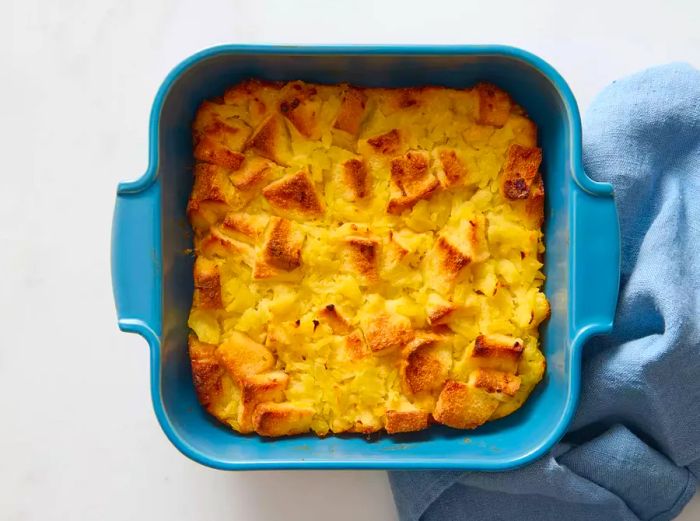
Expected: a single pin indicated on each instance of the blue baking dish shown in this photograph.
(152, 271)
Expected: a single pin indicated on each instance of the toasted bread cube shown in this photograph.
(282, 419)
(411, 181)
(362, 257)
(355, 345)
(207, 284)
(217, 244)
(494, 105)
(386, 331)
(438, 309)
(339, 324)
(253, 175)
(425, 364)
(245, 226)
(300, 105)
(219, 135)
(271, 140)
(449, 168)
(353, 178)
(257, 389)
(294, 194)
(211, 194)
(211, 113)
(351, 112)
(281, 249)
(534, 208)
(531, 371)
(520, 171)
(210, 151)
(406, 421)
(282, 246)
(498, 352)
(444, 262)
(389, 143)
(206, 370)
(494, 381)
(470, 238)
(242, 356)
(464, 407)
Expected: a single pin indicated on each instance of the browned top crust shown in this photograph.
(270, 140)
(498, 346)
(207, 284)
(300, 106)
(363, 256)
(355, 178)
(282, 247)
(388, 331)
(356, 251)
(387, 143)
(412, 180)
(406, 421)
(352, 110)
(451, 170)
(520, 171)
(494, 105)
(294, 194)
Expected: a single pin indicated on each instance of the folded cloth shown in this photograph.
(633, 451)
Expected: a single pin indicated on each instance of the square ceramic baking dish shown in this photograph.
(152, 272)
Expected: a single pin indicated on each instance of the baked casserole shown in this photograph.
(366, 259)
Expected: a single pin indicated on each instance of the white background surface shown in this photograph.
(77, 78)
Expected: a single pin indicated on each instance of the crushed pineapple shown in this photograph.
(368, 259)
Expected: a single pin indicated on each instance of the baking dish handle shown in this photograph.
(136, 268)
(596, 258)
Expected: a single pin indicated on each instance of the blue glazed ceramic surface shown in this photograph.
(152, 273)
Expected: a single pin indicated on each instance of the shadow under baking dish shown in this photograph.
(152, 274)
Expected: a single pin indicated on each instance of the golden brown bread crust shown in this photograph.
(388, 143)
(252, 175)
(422, 369)
(520, 171)
(387, 331)
(281, 419)
(363, 253)
(366, 259)
(355, 345)
(412, 180)
(296, 195)
(217, 244)
(406, 421)
(355, 178)
(207, 284)
(450, 170)
(495, 381)
(257, 389)
(282, 246)
(498, 351)
(438, 309)
(351, 112)
(206, 370)
(245, 226)
(270, 140)
(244, 357)
(462, 406)
(298, 106)
(494, 105)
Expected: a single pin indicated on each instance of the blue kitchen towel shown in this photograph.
(633, 451)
